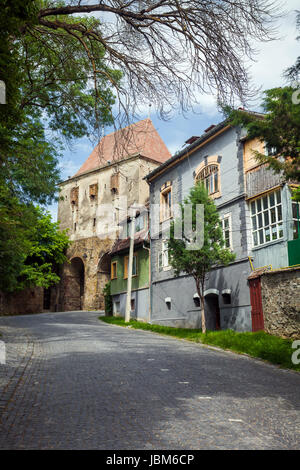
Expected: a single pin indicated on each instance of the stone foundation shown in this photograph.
(281, 302)
(22, 302)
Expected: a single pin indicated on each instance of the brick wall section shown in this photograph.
(23, 302)
(281, 302)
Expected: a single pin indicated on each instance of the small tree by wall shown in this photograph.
(199, 262)
(108, 299)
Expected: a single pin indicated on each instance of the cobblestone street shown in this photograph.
(73, 382)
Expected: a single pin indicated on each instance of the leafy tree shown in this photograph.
(279, 128)
(50, 101)
(33, 250)
(108, 303)
(169, 51)
(293, 72)
(198, 263)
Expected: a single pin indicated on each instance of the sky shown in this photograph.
(271, 60)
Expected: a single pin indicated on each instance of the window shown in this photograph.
(226, 299)
(296, 219)
(93, 191)
(227, 231)
(74, 196)
(132, 304)
(270, 151)
(114, 183)
(163, 256)
(166, 201)
(209, 176)
(116, 307)
(134, 266)
(114, 270)
(266, 218)
(139, 223)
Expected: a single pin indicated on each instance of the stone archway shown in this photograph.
(103, 276)
(74, 285)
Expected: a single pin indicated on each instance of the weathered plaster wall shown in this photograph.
(281, 302)
(94, 219)
(130, 186)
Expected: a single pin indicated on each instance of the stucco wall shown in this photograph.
(183, 311)
(141, 311)
(141, 280)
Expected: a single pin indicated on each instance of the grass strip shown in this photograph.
(259, 345)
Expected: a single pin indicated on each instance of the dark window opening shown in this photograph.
(226, 299)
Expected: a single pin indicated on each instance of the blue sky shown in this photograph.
(271, 60)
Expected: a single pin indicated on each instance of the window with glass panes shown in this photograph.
(266, 217)
(163, 256)
(226, 226)
(296, 219)
(209, 176)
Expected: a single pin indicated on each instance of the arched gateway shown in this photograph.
(74, 285)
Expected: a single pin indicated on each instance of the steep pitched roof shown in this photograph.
(194, 142)
(140, 138)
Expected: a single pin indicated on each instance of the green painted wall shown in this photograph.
(138, 282)
(294, 252)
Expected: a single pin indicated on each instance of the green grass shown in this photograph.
(259, 345)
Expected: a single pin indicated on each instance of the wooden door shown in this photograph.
(256, 305)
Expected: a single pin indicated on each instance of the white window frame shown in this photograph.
(163, 257)
(295, 220)
(210, 177)
(266, 218)
(227, 217)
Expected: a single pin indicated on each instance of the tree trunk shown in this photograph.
(203, 315)
(200, 290)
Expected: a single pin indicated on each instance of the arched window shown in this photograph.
(209, 176)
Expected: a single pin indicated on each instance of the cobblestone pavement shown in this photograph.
(74, 382)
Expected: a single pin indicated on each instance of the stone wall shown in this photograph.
(89, 251)
(23, 302)
(281, 302)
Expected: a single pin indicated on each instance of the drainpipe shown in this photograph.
(150, 284)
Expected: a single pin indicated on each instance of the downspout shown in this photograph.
(150, 283)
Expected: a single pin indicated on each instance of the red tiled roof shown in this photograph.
(138, 138)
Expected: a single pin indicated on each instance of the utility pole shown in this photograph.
(130, 261)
